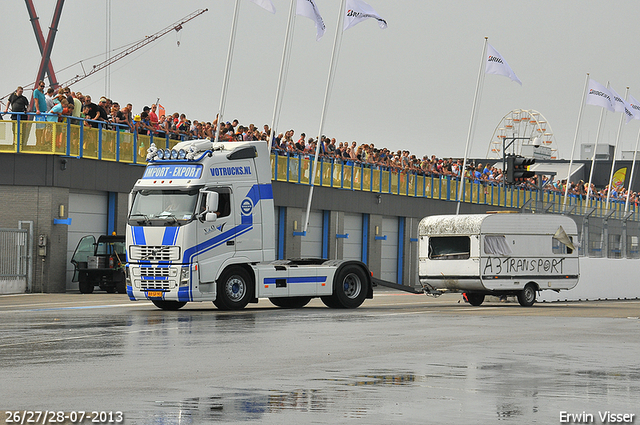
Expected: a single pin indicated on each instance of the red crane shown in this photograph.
(45, 47)
(177, 26)
(45, 64)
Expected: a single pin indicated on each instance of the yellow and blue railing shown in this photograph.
(112, 142)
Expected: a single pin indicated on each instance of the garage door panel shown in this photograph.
(389, 250)
(352, 248)
(88, 214)
(311, 245)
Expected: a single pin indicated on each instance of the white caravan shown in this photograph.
(498, 254)
(201, 228)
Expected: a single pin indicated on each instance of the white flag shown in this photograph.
(635, 107)
(498, 66)
(309, 9)
(266, 4)
(599, 95)
(618, 101)
(358, 11)
(621, 105)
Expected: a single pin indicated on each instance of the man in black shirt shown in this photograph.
(18, 103)
(92, 113)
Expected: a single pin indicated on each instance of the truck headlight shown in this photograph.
(184, 276)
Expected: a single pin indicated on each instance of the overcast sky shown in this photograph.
(410, 86)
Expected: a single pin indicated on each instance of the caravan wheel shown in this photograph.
(527, 297)
(475, 299)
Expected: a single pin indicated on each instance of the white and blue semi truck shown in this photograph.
(201, 227)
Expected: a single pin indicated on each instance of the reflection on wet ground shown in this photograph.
(479, 393)
(244, 405)
(317, 365)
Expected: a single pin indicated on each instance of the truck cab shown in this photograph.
(201, 227)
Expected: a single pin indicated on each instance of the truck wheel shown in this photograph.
(86, 287)
(527, 297)
(110, 289)
(475, 299)
(290, 302)
(235, 289)
(349, 287)
(121, 287)
(169, 305)
(330, 302)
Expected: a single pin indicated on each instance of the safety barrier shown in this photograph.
(363, 177)
(112, 142)
(31, 133)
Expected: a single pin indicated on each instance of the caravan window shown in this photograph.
(449, 248)
(496, 245)
(559, 248)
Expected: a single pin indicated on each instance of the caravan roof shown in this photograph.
(475, 224)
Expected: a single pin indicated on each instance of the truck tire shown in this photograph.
(121, 287)
(527, 297)
(111, 289)
(235, 289)
(349, 288)
(330, 302)
(169, 305)
(290, 302)
(84, 284)
(121, 284)
(475, 299)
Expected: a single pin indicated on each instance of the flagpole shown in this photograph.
(283, 64)
(471, 122)
(593, 158)
(227, 70)
(575, 139)
(633, 167)
(334, 59)
(615, 151)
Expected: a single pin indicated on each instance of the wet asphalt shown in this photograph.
(399, 358)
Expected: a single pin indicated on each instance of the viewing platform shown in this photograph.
(113, 142)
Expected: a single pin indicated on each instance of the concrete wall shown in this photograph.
(34, 187)
(601, 278)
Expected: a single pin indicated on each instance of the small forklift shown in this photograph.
(101, 264)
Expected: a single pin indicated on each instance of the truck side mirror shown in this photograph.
(212, 201)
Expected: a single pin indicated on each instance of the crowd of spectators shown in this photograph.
(66, 104)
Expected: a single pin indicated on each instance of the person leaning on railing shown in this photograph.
(18, 103)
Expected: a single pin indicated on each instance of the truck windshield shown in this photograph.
(163, 207)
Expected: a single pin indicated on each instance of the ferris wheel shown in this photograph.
(522, 127)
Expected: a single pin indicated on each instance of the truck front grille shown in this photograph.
(154, 253)
(155, 272)
(155, 284)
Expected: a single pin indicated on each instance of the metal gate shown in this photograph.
(13, 260)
